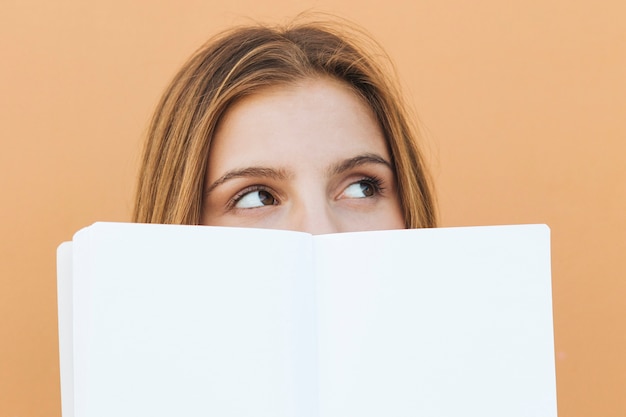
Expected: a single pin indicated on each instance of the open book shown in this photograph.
(189, 321)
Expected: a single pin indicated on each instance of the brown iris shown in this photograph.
(266, 198)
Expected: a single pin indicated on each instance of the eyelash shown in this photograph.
(374, 181)
(241, 194)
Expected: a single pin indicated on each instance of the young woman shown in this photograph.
(292, 128)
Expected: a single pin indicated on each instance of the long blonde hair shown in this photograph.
(240, 62)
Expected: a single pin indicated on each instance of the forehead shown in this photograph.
(312, 95)
(317, 118)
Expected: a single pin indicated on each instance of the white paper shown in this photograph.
(446, 322)
(204, 321)
(194, 322)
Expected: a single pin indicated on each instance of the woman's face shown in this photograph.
(308, 157)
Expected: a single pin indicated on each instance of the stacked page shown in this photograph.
(159, 320)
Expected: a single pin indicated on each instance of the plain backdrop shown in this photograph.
(522, 105)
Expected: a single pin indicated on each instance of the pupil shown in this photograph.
(266, 198)
(367, 189)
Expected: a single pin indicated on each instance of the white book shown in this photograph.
(159, 320)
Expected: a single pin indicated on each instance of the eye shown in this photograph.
(362, 189)
(255, 198)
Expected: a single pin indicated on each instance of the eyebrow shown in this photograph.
(258, 172)
(363, 159)
(281, 174)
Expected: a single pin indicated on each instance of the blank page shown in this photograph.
(436, 322)
(193, 321)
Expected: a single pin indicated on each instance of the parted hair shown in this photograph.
(243, 61)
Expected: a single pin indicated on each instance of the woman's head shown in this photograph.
(252, 67)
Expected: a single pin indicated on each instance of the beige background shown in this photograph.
(523, 104)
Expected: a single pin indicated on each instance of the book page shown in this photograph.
(436, 322)
(65, 318)
(193, 321)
